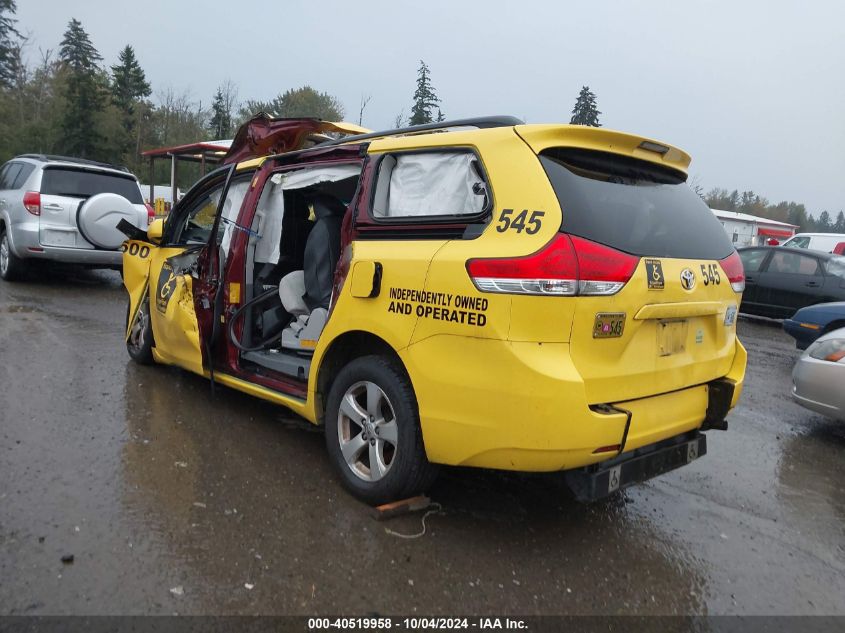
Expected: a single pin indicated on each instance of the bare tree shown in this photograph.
(364, 101)
(695, 184)
(180, 119)
(42, 80)
(399, 121)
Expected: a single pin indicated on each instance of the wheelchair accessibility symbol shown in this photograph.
(165, 288)
(692, 451)
(654, 274)
(614, 478)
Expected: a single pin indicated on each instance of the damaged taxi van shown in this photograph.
(477, 293)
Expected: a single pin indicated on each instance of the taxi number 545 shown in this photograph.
(521, 222)
(710, 274)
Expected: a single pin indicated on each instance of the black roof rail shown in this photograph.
(71, 159)
(479, 122)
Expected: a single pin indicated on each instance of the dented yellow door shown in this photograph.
(172, 313)
(159, 275)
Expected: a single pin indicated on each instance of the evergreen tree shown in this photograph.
(585, 111)
(129, 84)
(83, 92)
(220, 124)
(823, 224)
(9, 46)
(839, 226)
(425, 99)
(128, 89)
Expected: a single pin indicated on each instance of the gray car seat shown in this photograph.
(306, 293)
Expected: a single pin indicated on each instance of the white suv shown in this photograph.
(65, 210)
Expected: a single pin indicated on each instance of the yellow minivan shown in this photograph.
(476, 293)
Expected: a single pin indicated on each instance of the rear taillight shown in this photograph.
(732, 265)
(151, 213)
(566, 266)
(32, 202)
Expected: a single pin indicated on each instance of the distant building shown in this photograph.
(744, 229)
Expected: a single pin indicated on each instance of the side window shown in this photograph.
(9, 174)
(442, 185)
(231, 209)
(26, 170)
(794, 264)
(798, 242)
(194, 220)
(836, 266)
(752, 260)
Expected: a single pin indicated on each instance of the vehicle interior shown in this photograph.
(293, 249)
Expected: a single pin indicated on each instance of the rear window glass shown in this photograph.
(78, 183)
(633, 206)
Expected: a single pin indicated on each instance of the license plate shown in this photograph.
(692, 451)
(58, 238)
(609, 325)
(589, 484)
(671, 337)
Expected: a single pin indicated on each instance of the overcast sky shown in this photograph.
(755, 91)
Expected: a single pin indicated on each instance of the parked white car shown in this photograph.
(824, 242)
(65, 210)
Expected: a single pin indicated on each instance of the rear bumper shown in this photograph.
(522, 406)
(601, 480)
(26, 245)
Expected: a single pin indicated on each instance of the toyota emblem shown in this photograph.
(687, 279)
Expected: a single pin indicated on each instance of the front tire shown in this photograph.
(140, 342)
(11, 266)
(373, 432)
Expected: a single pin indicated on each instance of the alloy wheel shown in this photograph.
(139, 327)
(367, 431)
(4, 254)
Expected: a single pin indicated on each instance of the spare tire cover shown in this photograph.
(98, 217)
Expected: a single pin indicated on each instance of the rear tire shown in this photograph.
(373, 432)
(140, 342)
(11, 266)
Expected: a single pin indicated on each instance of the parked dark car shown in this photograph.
(811, 322)
(779, 280)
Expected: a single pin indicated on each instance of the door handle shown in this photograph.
(747, 278)
(812, 284)
(53, 207)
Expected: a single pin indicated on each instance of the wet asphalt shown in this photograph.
(171, 500)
